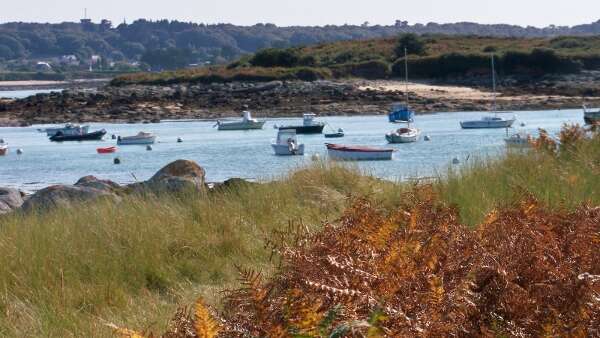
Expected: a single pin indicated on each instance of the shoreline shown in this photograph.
(152, 104)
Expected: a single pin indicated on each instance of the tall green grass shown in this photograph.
(68, 272)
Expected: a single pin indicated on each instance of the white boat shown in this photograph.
(340, 152)
(519, 140)
(401, 113)
(287, 143)
(142, 138)
(591, 116)
(247, 123)
(490, 121)
(404, 135)
(68, 130)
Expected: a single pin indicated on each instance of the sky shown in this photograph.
(537, 13)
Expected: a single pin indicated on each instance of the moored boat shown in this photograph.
(106, 150)
(309, 125)
(490, 121)
(287, 144)
(357, 153)
(591, 116)
(519, 140)
(93, 136)
(247, 123)
(142, 138)
(404, 135)
(3, 149)
(337, 134)
(68, 129)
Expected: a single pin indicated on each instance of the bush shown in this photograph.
(410, 43)
(272, 57)
(373, 69)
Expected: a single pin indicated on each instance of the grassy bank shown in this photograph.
(441, 57)
(68, 272)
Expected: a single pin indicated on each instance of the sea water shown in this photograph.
(248, 154)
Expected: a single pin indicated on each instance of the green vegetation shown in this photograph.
(431, 57)
(69, 272)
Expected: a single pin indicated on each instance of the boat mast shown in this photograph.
(406, 84)
(494, 84)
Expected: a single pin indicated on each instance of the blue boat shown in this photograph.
(401, 113)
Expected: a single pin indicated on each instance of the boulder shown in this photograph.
(93, 182)
(66, 195)
(10, 199)
(178, 176)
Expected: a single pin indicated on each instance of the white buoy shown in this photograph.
(455, 160)
(19, 151)
(427, 138)
(148, 147)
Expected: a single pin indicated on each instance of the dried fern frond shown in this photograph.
(205, 325)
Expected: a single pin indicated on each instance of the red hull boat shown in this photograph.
(107, 150)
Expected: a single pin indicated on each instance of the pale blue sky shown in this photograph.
(309, 12)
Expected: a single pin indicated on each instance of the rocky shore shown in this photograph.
(181, 176)
(146, 104)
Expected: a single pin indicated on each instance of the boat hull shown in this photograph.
(403, 137)
(316, 129)
(94, 136)
(108, 150)
(229, 126)
(343, 153)
(592, 118)
(334, 135)
(284, 150)
(124, 141)
(482, 124)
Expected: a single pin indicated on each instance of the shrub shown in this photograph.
(273, 57)
(411, 43)
(373, 69)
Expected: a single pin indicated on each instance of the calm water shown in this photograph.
(247, 154)
(20, 94)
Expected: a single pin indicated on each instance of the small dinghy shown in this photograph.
(287, 144)
(106, 150)
(403, 135)
(591, 116)
(358, 153)
(93, 136)
(142, 138)
(338, 134)
(3, 149)
(519, 140)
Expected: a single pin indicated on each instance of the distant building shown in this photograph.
(42, 66)
(70, 60)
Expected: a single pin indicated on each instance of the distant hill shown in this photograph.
(198, 43)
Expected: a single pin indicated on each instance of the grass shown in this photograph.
(342, 59)
(68, 272)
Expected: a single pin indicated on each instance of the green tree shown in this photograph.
(412, 43)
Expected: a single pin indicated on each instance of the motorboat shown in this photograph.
(142, 138)
(488, 122)
(287, 143)
(247, 123)
(404, 135)
(494, 121)
(357, 153)
(93, 136)
(309, 125)
(3, 149)
(106, 150)
(337, 134)
(68, 129)
(519, 140)
(591, 116)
